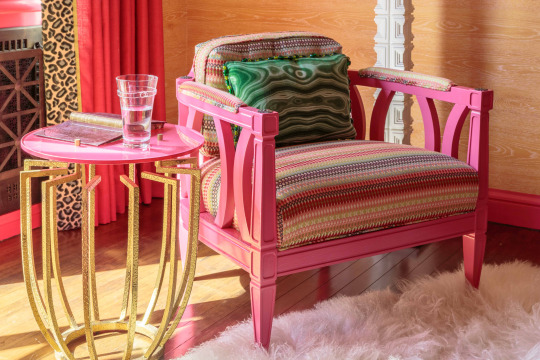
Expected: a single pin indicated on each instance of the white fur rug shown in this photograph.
(438, 317)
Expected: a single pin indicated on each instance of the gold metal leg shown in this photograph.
(179, 303)
(49, 251)
(131, 209)
(55, 257)
(171, 213)
(191, 256)
(177, 295)
(132, 263)
(29, 269)
(90, 305)
(91, 171)
(165, 240)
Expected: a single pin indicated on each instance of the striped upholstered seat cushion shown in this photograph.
(335, 189)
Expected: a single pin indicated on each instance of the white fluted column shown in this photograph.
(393, 45)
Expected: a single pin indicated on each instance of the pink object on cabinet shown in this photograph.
(19, 13)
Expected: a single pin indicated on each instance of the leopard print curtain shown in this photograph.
(61, 92)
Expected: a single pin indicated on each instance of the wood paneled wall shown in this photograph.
(187, 23)
(175, 36)
(491, 44)
(486, 43)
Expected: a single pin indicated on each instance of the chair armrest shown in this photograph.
(250, 159)
(211, 96)
(407, 78)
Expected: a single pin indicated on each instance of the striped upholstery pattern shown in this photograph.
(310, 94)
(407, 78)
(211, 55)
(211, 96)
(335, 189)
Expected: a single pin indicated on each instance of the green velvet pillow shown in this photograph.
(311, 95)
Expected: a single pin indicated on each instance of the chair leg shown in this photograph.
(262, 309)
(473, 256)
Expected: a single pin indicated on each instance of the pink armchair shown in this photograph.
(277, 211)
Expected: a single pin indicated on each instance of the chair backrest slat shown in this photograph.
(358, 112)
(430, 118)
(194, 119)
(378, 116)
(452, 130)
(243, 162)
(225, 214)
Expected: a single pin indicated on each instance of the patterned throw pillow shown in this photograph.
(311, 95)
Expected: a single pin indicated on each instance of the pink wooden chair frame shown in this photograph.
(254, 247)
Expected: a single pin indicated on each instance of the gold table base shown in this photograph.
(178, 291)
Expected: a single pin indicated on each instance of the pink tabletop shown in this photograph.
(177, 141)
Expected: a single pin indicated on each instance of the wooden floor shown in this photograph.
(220, 295)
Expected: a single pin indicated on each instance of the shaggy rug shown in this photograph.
(439, 317)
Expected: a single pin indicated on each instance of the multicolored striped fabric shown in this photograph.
(211, 55)
(311, 95)
(211, 96)
(210, 147)
(335, 189)
(407, 78)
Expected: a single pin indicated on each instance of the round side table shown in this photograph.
(176, 142)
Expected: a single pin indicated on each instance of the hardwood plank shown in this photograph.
(400, 270)
(439, 253)
(355, 282)
(220, 296)
(305, 295)
(240, 308)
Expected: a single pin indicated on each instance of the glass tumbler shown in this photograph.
(126, 83)
(137, 105)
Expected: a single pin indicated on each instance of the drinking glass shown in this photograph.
(126, 83)
(137, 105)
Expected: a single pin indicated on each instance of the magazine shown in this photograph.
(93, 129)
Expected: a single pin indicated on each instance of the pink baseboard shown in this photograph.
(513, 208)
(10, 223)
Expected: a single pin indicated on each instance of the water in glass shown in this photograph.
(136, 108)
(137, 121)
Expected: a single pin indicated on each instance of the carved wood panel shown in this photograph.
(21, 111)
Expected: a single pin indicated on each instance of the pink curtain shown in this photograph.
(117, 37)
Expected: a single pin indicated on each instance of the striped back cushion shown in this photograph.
(211, 55)
(335, 189)
(310, 94)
